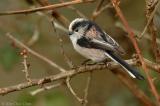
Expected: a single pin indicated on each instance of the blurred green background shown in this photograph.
(105, 90)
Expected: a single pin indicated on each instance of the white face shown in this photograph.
(74, 22)
(75, 29)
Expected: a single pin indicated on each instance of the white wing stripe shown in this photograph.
(132, 75)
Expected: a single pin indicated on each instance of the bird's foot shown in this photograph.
(74, 67)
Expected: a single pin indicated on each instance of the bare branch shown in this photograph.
(152, 65)
(147, 36)
(86, 90)
(72, 91)
(149, 14)
(21, 45)
(55, 14)
(100, 9)
(82, 69)
(34, 37)
(76, 10)
(149, 20)
(134, 42)
(44, 8)
(59, 76)
(26, 71)
(66, 58)
(35, 92)
(140, 95)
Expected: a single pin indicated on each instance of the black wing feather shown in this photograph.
(88, 43)
(126, 65)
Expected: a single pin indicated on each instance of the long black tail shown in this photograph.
(131, 70)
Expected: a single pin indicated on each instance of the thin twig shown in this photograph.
(60, 27)
(147, 36)
(25, 70)
(76, 10)
(82, 69)
(69, 62)
(44, 8)
(41, 57)
(152, 28)
(86, 90)
(134, 41)
(152, 65)
(149, 20)
(99, 10)
(55, 14)
(56, 24)
(99, 5)
(21, 45)
(37, 91)
(140, 95)
(72, 91)
(34, 37)
(67, 59)
(63, 75)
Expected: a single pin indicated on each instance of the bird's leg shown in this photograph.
(104, 62)
(74, 67)
(83, 63)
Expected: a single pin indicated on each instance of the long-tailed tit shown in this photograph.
(91, 42)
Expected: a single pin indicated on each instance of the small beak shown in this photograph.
(70, 33)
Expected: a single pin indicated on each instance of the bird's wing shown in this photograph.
(93, 43)
(111, 41)
(98, 36)
(96, 44)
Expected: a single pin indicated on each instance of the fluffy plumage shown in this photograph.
(91, 42)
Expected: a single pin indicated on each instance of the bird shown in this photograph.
(89, 40)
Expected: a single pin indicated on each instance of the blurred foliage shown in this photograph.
(48, 99)
(56, 98)
(24, 98)
(120, 100)
(9, 57)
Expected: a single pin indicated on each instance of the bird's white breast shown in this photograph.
(93, 54)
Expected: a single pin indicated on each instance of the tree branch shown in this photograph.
(150, 13)
(59, 76)
(70, 73)
(21, 45)
(44, 8)
(35, 92)
(134, 42)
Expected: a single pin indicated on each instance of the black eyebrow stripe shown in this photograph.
(76, 25)
(82, 23)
